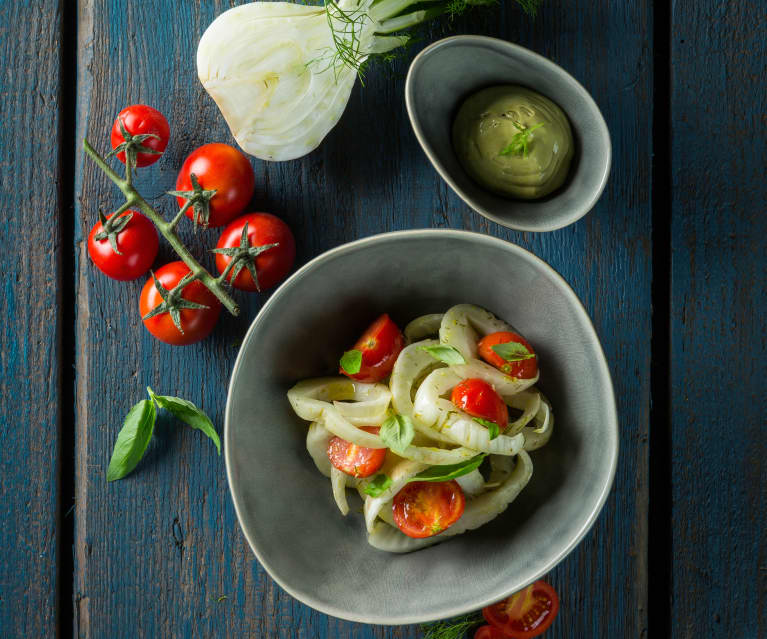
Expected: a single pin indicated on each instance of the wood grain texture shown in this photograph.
(155, 552)
(29, 306)
(719, 238)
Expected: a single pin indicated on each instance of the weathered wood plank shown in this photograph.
(719, 315)
(153, 551)
(30, 56)
(606, 257)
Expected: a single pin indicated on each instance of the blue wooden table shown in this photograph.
(670, 265)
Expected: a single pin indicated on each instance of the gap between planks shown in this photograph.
(659, 506)
(67, 154)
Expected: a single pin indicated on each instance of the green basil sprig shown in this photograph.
(492, 427)
(450, 471)
(138, 426)
(397, 432)
(351, 362)
(445, 353)
(513, 351)
(376, 486)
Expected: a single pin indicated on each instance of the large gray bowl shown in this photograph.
(285, 506)
(450, 70)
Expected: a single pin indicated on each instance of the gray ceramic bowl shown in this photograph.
(285, 506)
(448, 71)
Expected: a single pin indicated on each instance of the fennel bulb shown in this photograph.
(281, 73)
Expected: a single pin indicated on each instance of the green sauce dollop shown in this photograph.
(486, 125)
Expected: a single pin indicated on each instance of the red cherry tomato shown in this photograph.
(137, 242)
(426, 508)
(525, 614)
(354, 460)
(140, 119)
(225, 169)
(524, 369)
(196, 323)
(273, 264)
(479, 399)
(489, 632)
(380, 345)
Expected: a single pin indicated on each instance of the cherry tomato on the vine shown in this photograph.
(273, 264)
(426, 508)
(140, 119)
(523, 369)
(197, 323)
(525, 614)
(357, 461)
(489, 632)
(223, 168)
(380, 345)
(136, 241)
(479, 399)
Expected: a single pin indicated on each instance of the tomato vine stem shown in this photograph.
(167, 229)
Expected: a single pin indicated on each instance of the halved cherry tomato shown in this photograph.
(525, 614)
(354, 460)
(426, 508)
(479, 399)
(140, 119)
(524, 369)
(197, 323)
(137, 242)
(380, 345)
(225, 169)
(489, 632)
(271, 265)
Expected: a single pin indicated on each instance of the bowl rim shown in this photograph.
(308, 598)
(538, 59)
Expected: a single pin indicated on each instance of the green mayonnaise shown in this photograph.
(495, 142)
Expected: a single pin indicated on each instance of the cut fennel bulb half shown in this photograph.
(270, 68)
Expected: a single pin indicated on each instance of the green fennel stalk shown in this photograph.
(388, 18)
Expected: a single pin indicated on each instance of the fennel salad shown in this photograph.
(432, 426)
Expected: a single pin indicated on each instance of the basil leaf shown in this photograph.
(376, 486)
(445, 353)
(351, 362)
(397, 432)
(188, 413)
(450, 471)
(132, 440)
(513, 351)
(491, 426)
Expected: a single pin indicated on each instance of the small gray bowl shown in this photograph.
(450, 70)
(285, 506)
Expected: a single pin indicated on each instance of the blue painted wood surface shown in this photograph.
(719, 320)
(30, 307)
(161, 554)
(153, 553)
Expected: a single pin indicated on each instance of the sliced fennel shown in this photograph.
(317, 439)
(281, 73)
(311, 397)
(539, 434)
(465, 431)
(461, 323)
(338, 483)
(423, 326)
